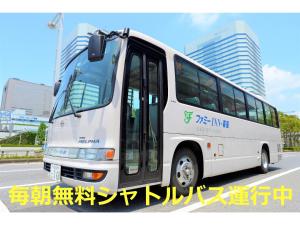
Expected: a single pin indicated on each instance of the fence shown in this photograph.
(10, 152)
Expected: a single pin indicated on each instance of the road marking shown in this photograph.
(227, 194)
(15, 171)
(25, 185)
(3, 208)
(288, 156)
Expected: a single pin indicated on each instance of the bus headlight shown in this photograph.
(96, 154)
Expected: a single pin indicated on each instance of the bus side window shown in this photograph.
(240, 105)
(260, 111)
(227, 98)
(251, 106)
(208, 91)
(187, 83)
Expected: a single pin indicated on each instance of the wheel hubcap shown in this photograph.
(185, 171)
(264, 160)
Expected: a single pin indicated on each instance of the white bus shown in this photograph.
(131, 111)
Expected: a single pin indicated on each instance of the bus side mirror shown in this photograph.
(56, 87)
(96, 47)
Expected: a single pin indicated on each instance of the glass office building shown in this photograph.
(74, 43)
(77, 41)
(84, 95)
(234, 53)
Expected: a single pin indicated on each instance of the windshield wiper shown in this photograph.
(73, 110)
(72, 79)
(54, 108)
(68, 90)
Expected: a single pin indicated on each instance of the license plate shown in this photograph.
(55, 172)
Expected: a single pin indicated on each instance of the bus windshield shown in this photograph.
(87, 85)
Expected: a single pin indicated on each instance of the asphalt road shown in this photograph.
(285, 173)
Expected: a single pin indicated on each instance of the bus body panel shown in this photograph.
(171, 141)
(235, 144)
(97, 128)
(234, 148)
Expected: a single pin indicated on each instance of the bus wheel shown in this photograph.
(184, 172)
(264, 165)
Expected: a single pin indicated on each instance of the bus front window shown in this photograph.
(88, 85)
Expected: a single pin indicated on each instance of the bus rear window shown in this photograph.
(268, 115)
(274, 117)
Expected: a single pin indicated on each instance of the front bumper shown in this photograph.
(110, 181)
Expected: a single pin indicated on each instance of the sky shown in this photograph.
(27, 45)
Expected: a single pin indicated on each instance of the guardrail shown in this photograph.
(6, 152)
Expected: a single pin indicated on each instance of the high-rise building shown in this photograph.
(77, 41)
(74, 43)
(34, 98)
(234, 53)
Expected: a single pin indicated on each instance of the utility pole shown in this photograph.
(57, 24)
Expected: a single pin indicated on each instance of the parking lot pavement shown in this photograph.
(286, 173)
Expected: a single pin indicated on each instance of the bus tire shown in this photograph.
(264, 162)
(184, 173)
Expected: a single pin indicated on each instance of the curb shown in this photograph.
(20, 160)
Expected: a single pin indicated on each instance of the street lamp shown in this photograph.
(57, 23)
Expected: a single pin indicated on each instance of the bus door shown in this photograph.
(141, 117)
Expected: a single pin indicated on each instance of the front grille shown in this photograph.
(71, 172)
(68, 172)
(47, 166)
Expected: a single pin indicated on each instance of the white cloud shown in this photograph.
(202, 20)
(282, 88)
(278, 80)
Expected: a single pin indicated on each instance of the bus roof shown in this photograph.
(167, 48)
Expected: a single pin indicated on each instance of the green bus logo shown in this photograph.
(188, 116)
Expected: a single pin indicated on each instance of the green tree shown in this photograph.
(41, 133)
(290, 129)
(27, 138)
